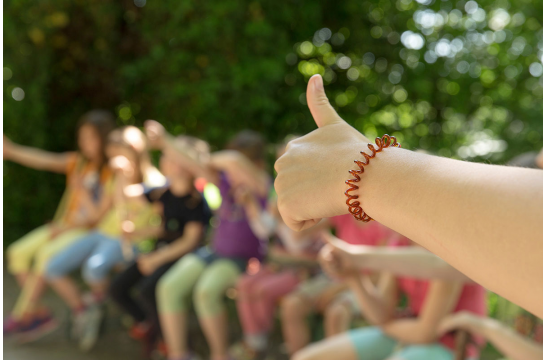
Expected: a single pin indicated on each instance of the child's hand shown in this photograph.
(155, 133)
(312, 172)
(7, 148)
(56, 230)
(336, 261)
(122, 165)
(463, 320)
(147, 264)
(243, 195)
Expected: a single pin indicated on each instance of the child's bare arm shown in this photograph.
(440, 300)
(36, 158)
(511, 344)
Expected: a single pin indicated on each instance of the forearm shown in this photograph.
(175, 250)
(180, 155)
(238, 167)
(263, 225)
(440, 203)
(371, 303)
(508, 342)
(38, 159)
(410, 261)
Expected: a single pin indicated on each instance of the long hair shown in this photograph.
(103, 121)
(131, 138)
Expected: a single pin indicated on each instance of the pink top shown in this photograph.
(472, 299)
(358, 233)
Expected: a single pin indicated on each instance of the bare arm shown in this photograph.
(484, 220)
(36, 158)
(410, 261)
(181, 246)
(240, 170)
(508, 342)
(160, 139)
(261, 221)
(377, 303)
(440, 301)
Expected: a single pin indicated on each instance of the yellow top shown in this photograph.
(140, 213)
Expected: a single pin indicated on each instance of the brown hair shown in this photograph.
(250, 143)
(133, 139)
(103, 121)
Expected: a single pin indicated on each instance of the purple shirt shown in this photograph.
(234, 237)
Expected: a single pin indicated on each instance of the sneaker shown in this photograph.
(11, 326)
(77, 325)
(37, 328)
(140, 331)
(241, 351)
(92, 319)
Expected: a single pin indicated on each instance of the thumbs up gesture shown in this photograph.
(312, 172)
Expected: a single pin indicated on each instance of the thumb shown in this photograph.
(320, 108)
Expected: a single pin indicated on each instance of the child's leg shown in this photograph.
(35, 285)
(339, 313)
(361, 344)
(21, 253)
(121, 292)
(295, 308)
(173, 294)
(146, 293)
(64, 262)
(98, 265)
(246, 302)
(268, 293)
(208, 300)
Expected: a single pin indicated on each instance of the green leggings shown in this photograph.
(210, 283)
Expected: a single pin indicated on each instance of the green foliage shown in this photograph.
(213, 68)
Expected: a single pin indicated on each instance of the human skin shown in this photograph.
(484, 220)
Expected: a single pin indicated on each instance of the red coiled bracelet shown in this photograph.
(353, 205)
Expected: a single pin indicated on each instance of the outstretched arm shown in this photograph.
(239, 169)
(35, 158)
(511, 344)
(484, 220)
(410, 261)
(376, 302)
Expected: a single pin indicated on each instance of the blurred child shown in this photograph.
(413, 338)
(510, 343)
(185, 216)
(208, 273)
(98, 252)
(82, 206)
(325, 295)
(290, 262)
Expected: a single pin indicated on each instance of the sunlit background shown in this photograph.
(460, 79)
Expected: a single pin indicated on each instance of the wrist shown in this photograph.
(366, 162)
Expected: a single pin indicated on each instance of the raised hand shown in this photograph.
(155, 133)
(120, 164)
(312, 172)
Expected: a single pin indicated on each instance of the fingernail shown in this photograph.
(318, 83)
